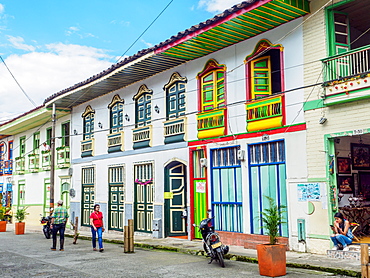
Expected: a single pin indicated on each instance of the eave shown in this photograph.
(234, 25)
(29, 120)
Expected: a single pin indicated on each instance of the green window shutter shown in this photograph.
(261, 77)
(338, 32)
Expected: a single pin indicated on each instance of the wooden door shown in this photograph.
(175, 199)
(144, 197)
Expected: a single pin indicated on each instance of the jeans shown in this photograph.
(342, 239)
(58, 227)
(98, 231)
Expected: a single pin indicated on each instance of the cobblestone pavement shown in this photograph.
(29, 255)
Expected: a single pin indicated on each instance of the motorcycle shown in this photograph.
(45, 221)
(212, 244)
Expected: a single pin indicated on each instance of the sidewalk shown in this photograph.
(238, 253)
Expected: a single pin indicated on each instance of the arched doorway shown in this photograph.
(175, 199)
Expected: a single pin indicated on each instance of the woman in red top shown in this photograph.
(97, 227)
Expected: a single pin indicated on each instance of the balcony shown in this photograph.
(20, 165)
(46, 160)
(346, 76)
(87, 147)
(63, 160)
(265, 113)
(115, 142)
(174, 130)
(33, 162)
(211, 123)
(142, 137)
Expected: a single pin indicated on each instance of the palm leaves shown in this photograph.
(272, 217)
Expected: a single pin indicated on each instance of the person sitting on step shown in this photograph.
(342, 232)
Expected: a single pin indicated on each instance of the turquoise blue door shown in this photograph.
(226, 189)
(267, 174)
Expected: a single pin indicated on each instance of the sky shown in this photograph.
(50, 45)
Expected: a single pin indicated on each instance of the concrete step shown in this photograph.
(353, 254)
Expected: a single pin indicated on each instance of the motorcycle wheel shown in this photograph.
(220, 258)
(205, 247)
(47, 232)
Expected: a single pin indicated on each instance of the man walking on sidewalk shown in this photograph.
(58, 223)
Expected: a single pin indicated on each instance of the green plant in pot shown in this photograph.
(272, 256)
(20, 216)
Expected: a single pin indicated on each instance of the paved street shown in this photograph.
(29, 255)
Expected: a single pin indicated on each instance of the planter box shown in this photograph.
(19, 228)
(2, 226)
(271, 259)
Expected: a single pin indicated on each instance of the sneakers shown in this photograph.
(335, 247)
(346, 248)
(101, 250)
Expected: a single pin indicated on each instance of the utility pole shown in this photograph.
(52, 158)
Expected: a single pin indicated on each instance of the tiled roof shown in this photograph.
(190, 31)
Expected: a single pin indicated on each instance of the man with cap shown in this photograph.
(58, 223)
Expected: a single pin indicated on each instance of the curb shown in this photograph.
(230, 256)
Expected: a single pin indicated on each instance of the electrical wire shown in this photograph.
(146, 29)
(16, 81)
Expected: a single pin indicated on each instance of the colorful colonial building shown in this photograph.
(26, 161)
(211, 119)
(336, 47)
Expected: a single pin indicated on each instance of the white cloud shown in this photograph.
(18, 43)
(73, 30)
(42, 74)
(217, 5)
(120, 22)
(1, 8)
(148, 44)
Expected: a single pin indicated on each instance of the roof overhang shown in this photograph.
(30, 120)
(236, 24)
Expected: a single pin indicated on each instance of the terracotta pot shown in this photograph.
(19, 228)
(271, 259)
(2, 226)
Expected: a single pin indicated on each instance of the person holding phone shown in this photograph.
(342, 232)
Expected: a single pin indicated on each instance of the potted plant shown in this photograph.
(20, 215)
(2, 219)
(272, 256)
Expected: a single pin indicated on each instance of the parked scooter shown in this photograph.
(212, 244)
(45, 221)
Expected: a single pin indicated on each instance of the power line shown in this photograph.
(165, 8)
(19, 85)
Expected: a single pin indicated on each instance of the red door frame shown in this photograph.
(192, 179)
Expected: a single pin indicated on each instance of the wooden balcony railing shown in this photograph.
(46, 160)
(211, 123)
(87, 147)
(142, 137)
(265, 113)
(33, 162)
(63, 160)
(20, 165)
(348, 64)
(174, 130)
(115, 141)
